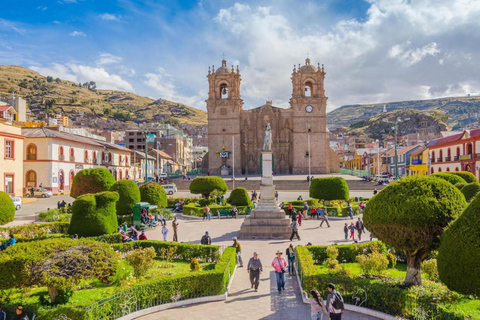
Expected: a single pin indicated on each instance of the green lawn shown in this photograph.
(469, 307)
(399, 271)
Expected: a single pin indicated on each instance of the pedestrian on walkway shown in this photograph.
(206, 239)
(350, 210)
(279, 264)
(290, 208)
(345, 229)
(276, 196)
(291, 259)
(294, 226)
(325, 217)
(164, 232)
(317, 307)
(313, 212)
(175, 229)
(352, 231)
(254, 268)
(206, 211)
(360, 228)
(299, 219)
(305, 210)
(238, 250)
(334, 303)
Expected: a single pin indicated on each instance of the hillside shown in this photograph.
(72, 98)
(461, 111)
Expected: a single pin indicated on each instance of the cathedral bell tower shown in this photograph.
(309, 104)
(224, 105)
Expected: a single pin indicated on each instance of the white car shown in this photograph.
(169, 188)
(17, 202)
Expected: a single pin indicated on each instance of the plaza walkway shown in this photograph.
(243, 302)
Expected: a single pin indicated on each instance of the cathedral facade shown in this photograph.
(299, 133)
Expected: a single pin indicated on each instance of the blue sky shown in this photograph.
(373, 51)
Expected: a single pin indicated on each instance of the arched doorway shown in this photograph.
(71, 176)
(121, 175)
(32, 152)
(31, 179)
(61, 180)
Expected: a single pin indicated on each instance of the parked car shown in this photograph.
(17, 202)
(169, 188)
(40, 192)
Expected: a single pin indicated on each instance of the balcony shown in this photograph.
(416, 161)
(477, 155)
(31, 157)
(61, 158)
(466, 157)
(448, 159)
(432, 160)
(86, 160)
(455, 158)
(72, 159)
(439, 160)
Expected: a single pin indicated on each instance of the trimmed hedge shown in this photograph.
(471, 190)
(460, 185)
(206, 185)
(91, 181)
(458, 258)
(172, 201)
(332, 188)
(94, 214)
(311, 202)
(239, 197)
(452, 178)
(332, 211)
(33, 231)
(129, 194)
(192, 210)
(466, 175)
(153, 193)
(7, 208)
(347, 252)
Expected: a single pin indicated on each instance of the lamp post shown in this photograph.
(233, 161)
(309, 171)
(158, 162)
(378, 156)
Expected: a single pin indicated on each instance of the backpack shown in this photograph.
(338, 301)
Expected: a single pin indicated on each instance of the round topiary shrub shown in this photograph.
(206, 185)
(153, 193)
(91, 181)
(466, 175)
(94, 214)
(460, 185)
(410, 215)
(471, 190)
(459, 253)
(7, 208)
(239, 197)
(129, 194)
(453, 179)
(333, 188)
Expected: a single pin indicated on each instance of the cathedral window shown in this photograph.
(308, 89)
(223, 91)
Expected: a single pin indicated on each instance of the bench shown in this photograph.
(224, 213)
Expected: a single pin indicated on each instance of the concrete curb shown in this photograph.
(28, 200)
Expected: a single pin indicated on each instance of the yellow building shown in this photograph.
(418, 165)
(11, 158)
(353, 161)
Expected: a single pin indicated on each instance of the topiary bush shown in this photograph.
(94, 214)
(141, 260)
(7, 208)
(429, 267)
(459, 252)
(373, 263)
(411, 215)
(194, 265)
(332, 253)
(129, 194)
(333, 188)
(460, 185)
(471, 190)
(239, 197)
(91, 181)
(453, 179)
(153, 193)
(206, 185)
(466, 175)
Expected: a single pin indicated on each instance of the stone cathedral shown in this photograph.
(240, 133)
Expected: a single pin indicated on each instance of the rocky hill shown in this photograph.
(44, 93)
(461, 111)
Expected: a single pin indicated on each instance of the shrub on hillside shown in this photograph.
(94, 214)
(466, 175)
(453, 179)
(239, 197)
(208, 185)
(128, 193)
(153, 193)
(91, 181)
(471, 190)
(459, 252)
(7, 208)
(410, 215)
(333, 188)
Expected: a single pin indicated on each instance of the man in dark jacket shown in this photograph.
(206, 239)
(359, 226)
(20, 314)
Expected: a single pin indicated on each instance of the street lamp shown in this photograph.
(309, 155)
(378, 156)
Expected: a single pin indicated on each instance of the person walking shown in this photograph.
(279, 264)
(334, 303)
(360, 228)
(352, 231)
(305, 210)
(175, 229)
(294, 226)
(291, 259)
(206, 211)
(299, 219)
(325, 218)
(290, 207)
(238, 250)
(350, 210)
(164, 232)
(254, 269)
(345, 229)
(317, 307)
(206, 239)
(276, 196)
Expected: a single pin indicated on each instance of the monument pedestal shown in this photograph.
(267, 221)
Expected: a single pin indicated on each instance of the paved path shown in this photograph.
(243, 302)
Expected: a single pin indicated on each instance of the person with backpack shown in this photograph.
(316, 304)
(206, 239)
(360, 228)
(334, 303)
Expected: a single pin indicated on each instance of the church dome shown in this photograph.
(224, 69)
(307, 68)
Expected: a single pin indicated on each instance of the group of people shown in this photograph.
(132, 234)
(357, 226)
(63, 205)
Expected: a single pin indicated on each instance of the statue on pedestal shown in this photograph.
(267, 144)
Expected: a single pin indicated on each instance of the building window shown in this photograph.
(130, 140)
(31, 179)
(85, 156)
(9, 149)
(61, 155)
(32, 152)
(9, 182)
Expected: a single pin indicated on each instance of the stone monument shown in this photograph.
(267, 221)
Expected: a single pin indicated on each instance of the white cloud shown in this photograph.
(41, 8)
(12, 26)
(410, 57)
(107, 58)
(109, 17)
(126, 70)
(77, 34)
(82, 73)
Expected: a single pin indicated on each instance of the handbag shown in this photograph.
(284, 270)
